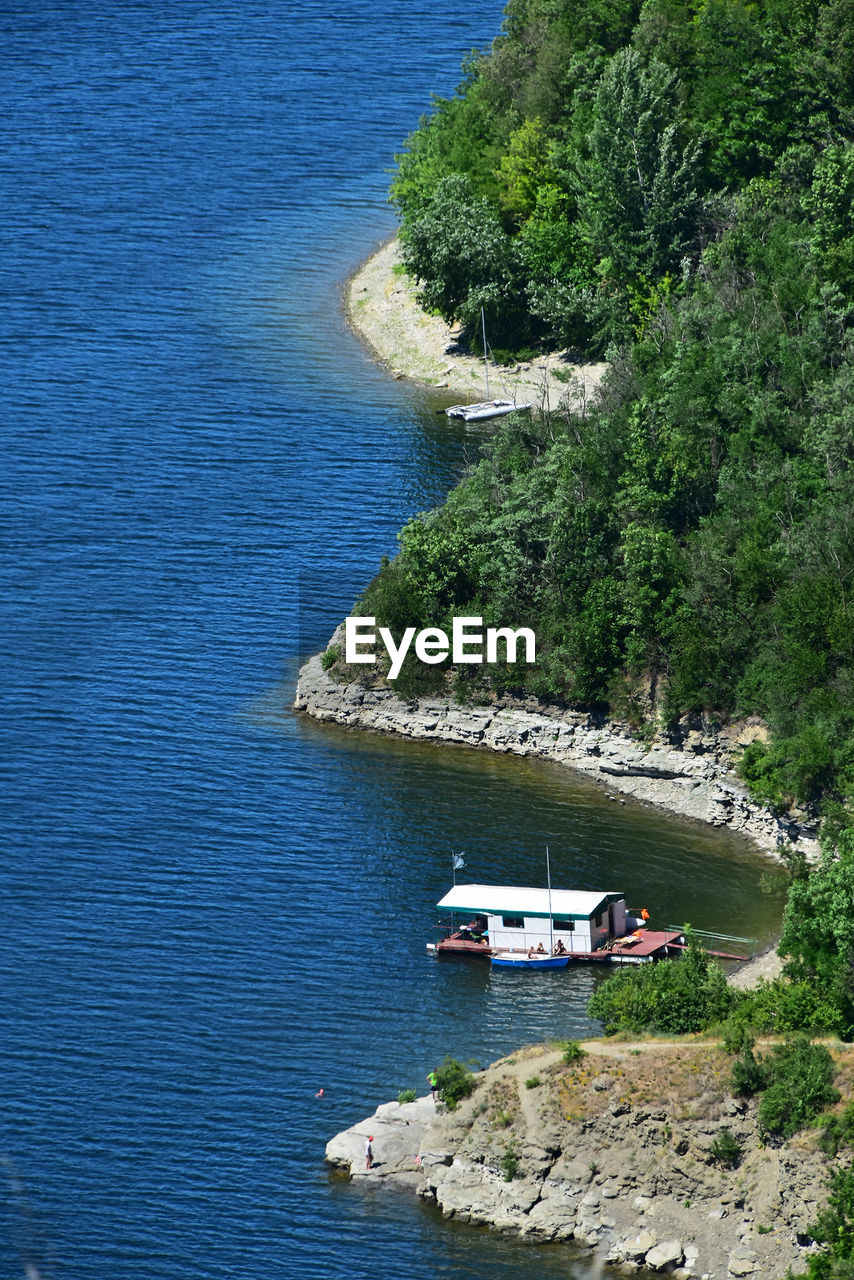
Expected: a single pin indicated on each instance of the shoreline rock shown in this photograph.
(613, 1153)
(695, 779)
(398, 1130)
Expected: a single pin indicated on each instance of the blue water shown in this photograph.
(209, 907)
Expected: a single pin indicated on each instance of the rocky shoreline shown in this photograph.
(693, 776)
(614, 1152)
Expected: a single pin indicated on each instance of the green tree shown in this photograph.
(834, 1228)
(830, 202)
(818, 928)
(525, 169)
(637, 202)
(465, 260)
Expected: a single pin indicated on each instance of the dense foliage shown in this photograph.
(818, 932)
(794, 1083)
(586, 161)
(453, 1082)
(677, 998)
(675, 179)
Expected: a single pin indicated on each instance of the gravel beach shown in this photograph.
(382, 307)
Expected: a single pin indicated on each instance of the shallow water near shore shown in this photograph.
(210, 907)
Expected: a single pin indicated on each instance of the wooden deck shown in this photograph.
(653, 944)
(455, 946)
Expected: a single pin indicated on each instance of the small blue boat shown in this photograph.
(512, 960)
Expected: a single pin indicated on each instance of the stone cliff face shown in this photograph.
(694, 777)
(617, 1152)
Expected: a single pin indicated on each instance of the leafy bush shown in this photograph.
(572, 1051)
(330, 657)
(800, 1086)
(510, 1163)
(794, 1082)
(406, 1095)
(726, 1148)
(838, 1131)
(834, 1228)
(784, 1006)
(453, 1083)
(533, 1082)
(675, 997)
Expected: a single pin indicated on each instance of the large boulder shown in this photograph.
(397, 1130)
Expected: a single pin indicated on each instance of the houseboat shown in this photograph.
(505, 920)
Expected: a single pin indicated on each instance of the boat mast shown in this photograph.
(551, 926)
(485, 358)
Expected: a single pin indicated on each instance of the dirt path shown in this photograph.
(382, 307)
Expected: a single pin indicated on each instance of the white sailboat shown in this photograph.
(483, 409)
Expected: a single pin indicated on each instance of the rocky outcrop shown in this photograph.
(618, 1152)
(397, 1130)
(694, 777)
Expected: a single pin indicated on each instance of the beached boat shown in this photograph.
(483, 409)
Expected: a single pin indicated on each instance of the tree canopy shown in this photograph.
(608, 141)
(674, 183)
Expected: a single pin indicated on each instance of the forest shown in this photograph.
(669, 186)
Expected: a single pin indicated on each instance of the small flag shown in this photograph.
(459, 861)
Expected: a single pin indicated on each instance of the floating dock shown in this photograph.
(652, 945)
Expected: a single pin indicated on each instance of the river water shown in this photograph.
(211, 908)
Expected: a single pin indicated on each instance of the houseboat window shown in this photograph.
(598, 921)
(563, 926)
(513, 922)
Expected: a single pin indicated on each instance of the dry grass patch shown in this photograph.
(689, 1081)
(502, 1102)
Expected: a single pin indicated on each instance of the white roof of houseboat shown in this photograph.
(498, 900)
